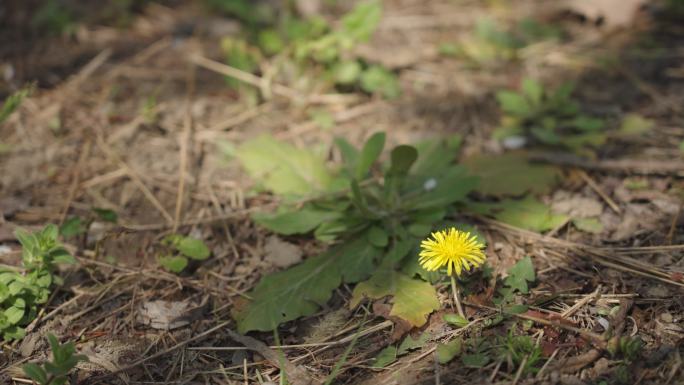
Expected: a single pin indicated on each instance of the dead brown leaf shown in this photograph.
(280, 253)
(613, 13)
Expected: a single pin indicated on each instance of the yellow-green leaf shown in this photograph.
(413, 299)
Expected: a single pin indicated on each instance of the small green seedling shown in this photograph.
(55, 372)
(13, 102)
(22, 290)
(182, 248)
(517, 281)
(546, 117)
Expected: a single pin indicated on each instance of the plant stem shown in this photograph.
(457, 301)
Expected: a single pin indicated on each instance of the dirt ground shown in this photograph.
(85, 139)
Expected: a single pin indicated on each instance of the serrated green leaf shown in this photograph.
(413, 299)
(447, 352)
(511, 174)
(513, 103)
(174, 264)
(455, 319)
(377, 236)
(589, 225)
(35, 372)
(193, 248)
(283, 168)
(520, 274)
(302, 289)
(385, 357)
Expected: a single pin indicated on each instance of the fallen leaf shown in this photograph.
(576, 206)
(413, 299)
(280, 253)
(613, 13)
(168, 315)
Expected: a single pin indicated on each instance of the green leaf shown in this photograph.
(300, 221)
(347, 72)
(455, 319)
(72, 227)
(526, 213)
(385, 357)
(377, 236)
(62, 256)
(533, 90)
(511, 174)
(377, 79)
(193, 248)
(369, 154)
(447, 352)
(399, 250)
(14, 313)
(477, 360)
(349, 153)
(13, 333)
(35, 372)
(174, 264)
(634, 124)
(587, 123)
(520, 274)
(50, 232)
(4, 293)
(419, 229)
(302, 289)
(360, 23)
(513, 103)
(106, 215)
(589, 225)
(13, 102)
(409, 343)
(413, 300)
(402, 158)
(283, 168)
(450, 188)
(436, 156)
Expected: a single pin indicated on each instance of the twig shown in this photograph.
(599, 191)
(185, 138)
(163, 352)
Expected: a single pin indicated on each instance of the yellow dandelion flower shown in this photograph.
(458, 250)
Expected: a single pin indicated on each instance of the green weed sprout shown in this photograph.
(55, 372)
(547, 117)
(22, 292)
